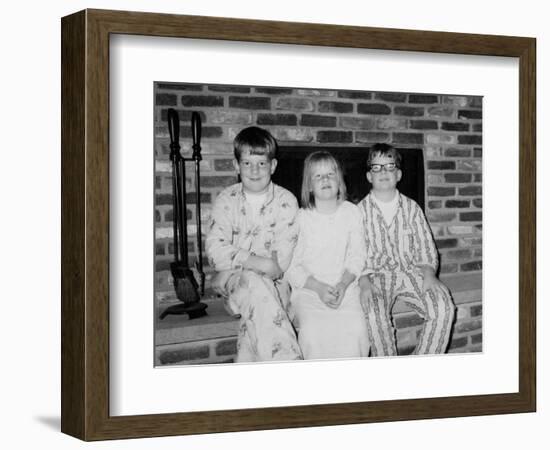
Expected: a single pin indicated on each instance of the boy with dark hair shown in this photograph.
(249, 243)
(402, 261)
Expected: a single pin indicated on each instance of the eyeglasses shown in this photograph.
(389, 167)
(322, 176)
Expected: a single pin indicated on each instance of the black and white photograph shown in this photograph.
(296, 223)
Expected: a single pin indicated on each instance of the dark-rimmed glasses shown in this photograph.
(389, 167)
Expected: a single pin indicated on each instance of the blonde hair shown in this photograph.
(312, 160)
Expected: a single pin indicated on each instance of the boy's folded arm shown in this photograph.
(263, 265)
(427, 260)
(223, 255)
(426, 251)
(286, 231)
(296, 274)
(368, 263)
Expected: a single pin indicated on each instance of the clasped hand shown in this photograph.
(331, 296)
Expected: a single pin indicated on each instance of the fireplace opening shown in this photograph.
(353, 160)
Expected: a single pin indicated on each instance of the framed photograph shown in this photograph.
(157, 113)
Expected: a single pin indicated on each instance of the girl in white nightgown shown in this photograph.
(328, 259)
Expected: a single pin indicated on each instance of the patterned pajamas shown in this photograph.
(396, 254)
(265, 331)
(434, 306)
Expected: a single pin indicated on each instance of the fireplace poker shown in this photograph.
(196, 132)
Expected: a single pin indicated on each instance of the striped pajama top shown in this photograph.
(405, 244)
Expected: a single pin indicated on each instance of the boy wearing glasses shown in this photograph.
(250, 241)
(402, 261)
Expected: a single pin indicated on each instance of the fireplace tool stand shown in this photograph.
(185, 284)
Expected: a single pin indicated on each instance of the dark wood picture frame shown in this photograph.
(85, 224)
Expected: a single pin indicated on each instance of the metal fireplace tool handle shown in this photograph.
(196, 132)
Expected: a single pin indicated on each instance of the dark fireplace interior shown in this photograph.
(353, 161)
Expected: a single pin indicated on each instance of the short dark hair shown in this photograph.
(257, 141)
(388, 150)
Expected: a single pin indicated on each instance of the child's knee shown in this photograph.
(445, 299)
(443, 302)
(243, 281)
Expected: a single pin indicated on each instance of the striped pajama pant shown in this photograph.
(435, 306)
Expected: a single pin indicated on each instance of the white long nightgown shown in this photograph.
(328, 244)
